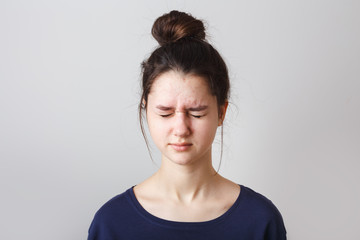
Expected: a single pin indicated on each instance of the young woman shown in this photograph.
(185, 89)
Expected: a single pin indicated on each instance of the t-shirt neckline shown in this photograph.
(169, 223)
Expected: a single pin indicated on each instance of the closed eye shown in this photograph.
(169, 114)
(165, 115)
(197, 116)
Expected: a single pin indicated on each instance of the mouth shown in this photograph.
(180, 147)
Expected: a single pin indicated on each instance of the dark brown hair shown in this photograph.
(183, 48)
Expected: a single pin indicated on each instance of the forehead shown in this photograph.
(174, 86)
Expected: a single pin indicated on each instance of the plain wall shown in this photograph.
(69, 89)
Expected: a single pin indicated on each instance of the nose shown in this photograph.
(181, 125)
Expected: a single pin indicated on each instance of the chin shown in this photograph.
(184, 162)
(182, 159)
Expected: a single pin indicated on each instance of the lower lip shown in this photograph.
(180, 148)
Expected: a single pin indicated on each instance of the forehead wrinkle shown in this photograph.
(173, 90)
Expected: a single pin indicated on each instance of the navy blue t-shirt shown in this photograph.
(252, 217)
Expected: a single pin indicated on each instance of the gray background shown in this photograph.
(69, 89)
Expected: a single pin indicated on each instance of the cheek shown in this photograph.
(158, 129)
(154, 128)
(206, 131)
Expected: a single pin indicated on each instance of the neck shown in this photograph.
(188, 182)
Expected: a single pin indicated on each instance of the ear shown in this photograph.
(222, 113)
(143, 103)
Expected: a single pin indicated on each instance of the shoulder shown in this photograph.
(112, 215)
(257, 203)
(261, 213)
(115, 204)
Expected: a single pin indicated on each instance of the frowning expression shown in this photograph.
(183, 117)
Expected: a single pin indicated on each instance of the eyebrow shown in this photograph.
(164, 108)
(192, 109)
(198, 108)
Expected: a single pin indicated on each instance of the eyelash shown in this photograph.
(195, 116)
(166, 115)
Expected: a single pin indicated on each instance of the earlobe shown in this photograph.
(143, 104)
(222, 113)
(220, 122)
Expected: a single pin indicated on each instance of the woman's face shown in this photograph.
(183, 117)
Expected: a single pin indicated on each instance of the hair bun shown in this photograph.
(176, 25)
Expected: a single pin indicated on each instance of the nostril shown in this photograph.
(182, 130)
